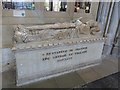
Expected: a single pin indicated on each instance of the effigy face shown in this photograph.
(58, 31)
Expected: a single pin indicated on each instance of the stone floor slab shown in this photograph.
(105, 69)
(50, 83)
(69, 80)
(88, 75)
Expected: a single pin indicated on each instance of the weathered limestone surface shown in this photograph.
(57, 31)
(45, 51)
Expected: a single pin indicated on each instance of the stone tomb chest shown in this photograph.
(45, 51)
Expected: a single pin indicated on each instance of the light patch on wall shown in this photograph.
(19, 13)
(22, 0)
(56, 5)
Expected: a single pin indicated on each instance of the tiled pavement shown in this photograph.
(74, 79)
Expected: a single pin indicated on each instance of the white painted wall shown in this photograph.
(0, 43)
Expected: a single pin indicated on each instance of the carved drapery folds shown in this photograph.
(57, 31)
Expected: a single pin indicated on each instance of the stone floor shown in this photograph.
(110, 81)
(81, 78)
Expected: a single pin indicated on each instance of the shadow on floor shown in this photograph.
(111, 81)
